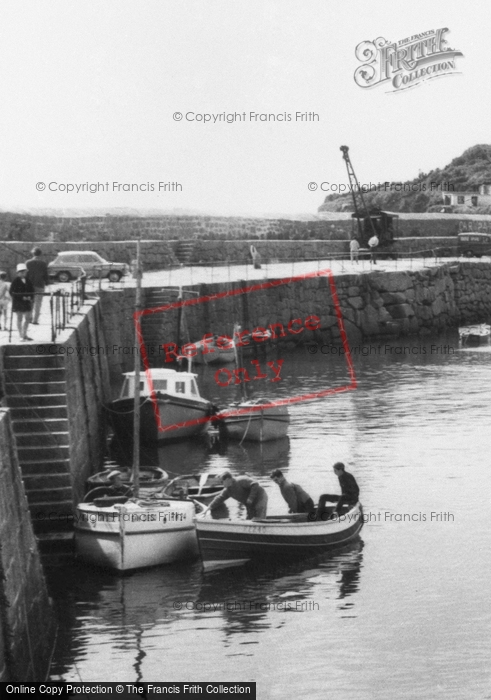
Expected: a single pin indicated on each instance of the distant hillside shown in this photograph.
(465, 173)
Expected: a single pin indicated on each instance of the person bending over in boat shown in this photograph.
(246, 491)
(349, 492)
(297, 499)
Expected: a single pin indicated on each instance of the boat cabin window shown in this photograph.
(194, 388)
(180, 387)
(160, 384)
(125, 389)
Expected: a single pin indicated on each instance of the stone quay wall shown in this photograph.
(117, 308)
(158, 254)
(112, 227)
(209, 252)
(373, 305)
(27, 622)
(87, 389)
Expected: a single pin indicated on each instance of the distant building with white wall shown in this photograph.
(469, 199)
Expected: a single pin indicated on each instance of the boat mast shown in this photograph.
(136, 389)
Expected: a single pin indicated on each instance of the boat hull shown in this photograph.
(152, 479)
(259, 426)
(225, 543)
(136, 534)
(215, 356)
(179, 418)
(195, 486)
(475, 335)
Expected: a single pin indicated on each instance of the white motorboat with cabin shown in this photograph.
(170, 405)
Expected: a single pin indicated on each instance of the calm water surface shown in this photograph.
(403, 612)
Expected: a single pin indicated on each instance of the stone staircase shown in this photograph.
(36, 395)
(184, 251)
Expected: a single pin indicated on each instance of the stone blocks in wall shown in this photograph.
(27, 623)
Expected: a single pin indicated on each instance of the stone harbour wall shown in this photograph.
(117, 308)
(159, 255)
(87, 389)
(373, 305)
(472, 291)
(275, 251)
(111, 227)
(27, 622)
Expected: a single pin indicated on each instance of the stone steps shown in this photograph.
(26, 413)
(41, 466)
(40, 424)
(35, 389)
(33, 361)
(56, 548)
(41, 375)
(184, 251)
(34, 454)
(53, 400)
(51, 496)
(42, 440)
(39, 481)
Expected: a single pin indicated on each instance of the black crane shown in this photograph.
(369, 222)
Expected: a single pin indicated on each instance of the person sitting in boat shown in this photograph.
(246, 491)
(350, 492)
(297, 499)
(114, 488)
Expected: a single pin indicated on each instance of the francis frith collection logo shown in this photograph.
(407, 62)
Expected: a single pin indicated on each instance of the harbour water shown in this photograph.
(403, 612)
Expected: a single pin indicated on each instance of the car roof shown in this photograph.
(78, 252)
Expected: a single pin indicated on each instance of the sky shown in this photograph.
(90, 88)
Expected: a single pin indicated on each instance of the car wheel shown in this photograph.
(114, 276)
(63, 277)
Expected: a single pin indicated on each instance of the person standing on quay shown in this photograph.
(373, 244)
(354, 248)
(37, 274)
(22, 293)
(4, 300)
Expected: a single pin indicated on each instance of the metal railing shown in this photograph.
(63, 305)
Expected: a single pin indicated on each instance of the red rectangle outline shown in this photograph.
(234, 292)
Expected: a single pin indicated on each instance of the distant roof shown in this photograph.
(374, 213)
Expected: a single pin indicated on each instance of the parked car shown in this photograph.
(474, 244)
(73, 264)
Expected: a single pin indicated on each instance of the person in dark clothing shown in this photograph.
(22, 293)
(37, 273)
(349, 492)
(246, 491)
(297, 499)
